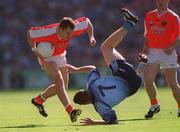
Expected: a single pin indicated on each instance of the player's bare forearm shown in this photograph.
(90, 31)
(89, 121)
(73, 69)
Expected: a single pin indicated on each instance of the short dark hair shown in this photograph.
(82, 97)
(67, 22)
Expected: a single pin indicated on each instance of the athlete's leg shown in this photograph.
(65, 75)
(49, 92)
(56, 77)
(108, 47)
(171, 77)
(150, 73)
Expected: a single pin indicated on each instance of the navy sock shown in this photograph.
(128, 26)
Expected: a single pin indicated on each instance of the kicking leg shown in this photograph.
(108, 47)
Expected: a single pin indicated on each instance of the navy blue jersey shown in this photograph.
(123, 69)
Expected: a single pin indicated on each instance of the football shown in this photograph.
(45, 49)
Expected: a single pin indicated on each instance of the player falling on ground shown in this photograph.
(58, 34)
(162, 35)
(106, 92)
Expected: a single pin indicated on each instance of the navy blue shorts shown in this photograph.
(126, 71)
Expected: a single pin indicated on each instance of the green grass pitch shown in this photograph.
(18, 115)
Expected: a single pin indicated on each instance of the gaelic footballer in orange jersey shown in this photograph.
(59, 35)
(50, 34)
(162, 36)
(161, 30)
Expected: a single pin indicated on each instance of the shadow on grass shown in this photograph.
(120, 122)
(24, 126)
(34, 125)
(137, 119)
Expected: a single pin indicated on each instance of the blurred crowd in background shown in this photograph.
(17, 16)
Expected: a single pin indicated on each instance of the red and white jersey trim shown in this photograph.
(42, 32)
(81, 25)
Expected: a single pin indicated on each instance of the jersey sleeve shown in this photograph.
(176, 28)
(38, 32)
(81, 25)
(106, 112)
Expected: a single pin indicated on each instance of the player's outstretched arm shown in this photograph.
(73, 69)
(89, 121)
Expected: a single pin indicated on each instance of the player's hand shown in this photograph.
(35, 52)
(87, 121)
(169, 50)
(92, 41)
(143, 58)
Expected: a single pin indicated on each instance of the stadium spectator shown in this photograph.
(16, 16)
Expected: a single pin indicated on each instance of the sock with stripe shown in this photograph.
(69, 109)
(40, 99)
(154, 102)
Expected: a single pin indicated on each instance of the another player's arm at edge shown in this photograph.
(73, 69)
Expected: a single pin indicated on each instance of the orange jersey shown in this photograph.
(49, 34)
(161, 30)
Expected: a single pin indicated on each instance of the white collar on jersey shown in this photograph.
(161, 14)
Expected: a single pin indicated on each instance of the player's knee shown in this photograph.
(104, 48)
(57, 79)
(148, 79)
(173, 85)
(148, 83)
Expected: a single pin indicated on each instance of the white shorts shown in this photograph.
(60, 60)
(158, 56)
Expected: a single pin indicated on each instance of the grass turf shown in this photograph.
(18, 115)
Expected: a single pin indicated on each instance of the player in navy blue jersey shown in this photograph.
(106, 92)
